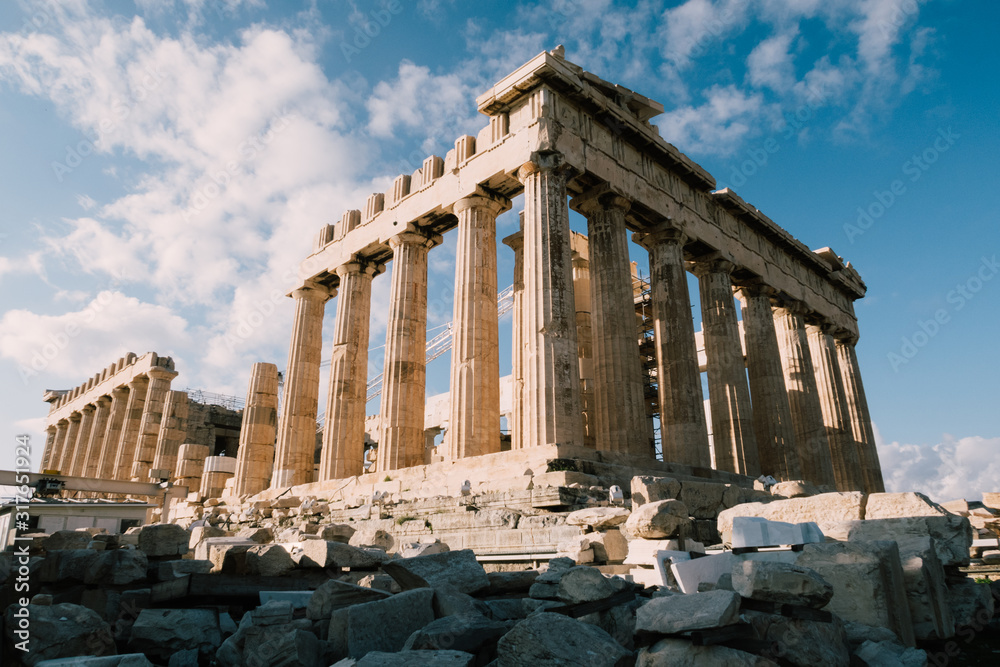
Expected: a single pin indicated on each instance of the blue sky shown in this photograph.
(166, 164)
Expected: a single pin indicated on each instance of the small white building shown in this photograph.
(47, 515)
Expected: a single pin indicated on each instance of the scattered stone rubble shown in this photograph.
(824, 579)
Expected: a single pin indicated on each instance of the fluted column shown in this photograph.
(833, 401)
(83, 437)
(152, 419)
(772, 415)
(294, 452)
(51, 460)
(173, 431)
(112, 437)
(69, 448)
(474, 423)
(516, 425)
(860, 418)
(50, 441)
(344, 434)
(552, 412)
(620, 420)
(130, 427)
(682, 411)
(255, 456)
(803, 395)
(401, 441)
(584, 345)
(728, 392)
(98, 433)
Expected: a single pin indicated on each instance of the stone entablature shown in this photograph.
(558, 133)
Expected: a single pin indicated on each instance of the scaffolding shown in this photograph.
(647, 354)
(234, 403)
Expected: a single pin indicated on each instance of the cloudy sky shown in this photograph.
(165, 165)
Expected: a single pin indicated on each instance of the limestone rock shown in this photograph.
(991, 499)
(61, 631)
(553, 639)
(337, 532)
(67, 539)
(335, 594)
(680, 613)
(67, 566)
(469, 632)
(502, 583)
(414, 549)
(867, 581)
(382, 625)
(172, 569)
(971, 603)
(415, 659)
(326, 553)
(159, 632)
(657, 519)
(647, 489)
(794, 488)
(598, 518)
(204, 531)
(800, 642)
(284, 644)
(258, 535)
(371, 537)
(894, 505)
(456, 569)
(890, 653)
(780, 582)
(825, 509)
(118, 567)
(269, 560)
(682, 653)
(164, 539)
(859, 633)
(952, 534)
(704, 500)
(609, 546)
(924, 578)
(583, 584)
(127, 660)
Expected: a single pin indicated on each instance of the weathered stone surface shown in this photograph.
(337, 532)
(456, 569)
(680, 613)
(67, 539)
(470, 632)
(647, 489)
(991, 499)
(119, 567)
(260, 535)
(859, 633)
(415, 659)
(952, 534)
(284, 645)
(327, 553)
(609, 546)
(780, 582)
(657, 519)
(159, 632)
(894, 505)
(335, 594)
(704, 500)
(269, 560)
(127, 660)
(164, 539)
(414, 549)
(173, 569)
(794, 489)
(583, 584)
(890, 653)
(971, 603)
(229, 557)
(682, 653)
(510, 582)
(371, 537)
(382, 625)
(825, 509)
(800, 642)
(553, 639)
(598, 518)
(867, 581)
(926, 591)
(67, 566)
(202, 532)
(60, 631)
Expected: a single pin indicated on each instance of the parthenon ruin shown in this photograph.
(785, 396)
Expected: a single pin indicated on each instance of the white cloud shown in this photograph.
(771, 64)
(950, 469)
(718, 126)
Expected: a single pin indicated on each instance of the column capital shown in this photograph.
(75, 417)
(89, 407)
(845, 337)
(159, 373)
(50, 428)
(359, 265)
(119, 392)
(600, 198)
(413, 235)
(579, 261)
(63, 422)
(515, 241)
(310, 289)
(792, 306)
(714, 262)
(543, 161)
(104, 400)
(669, 232)
(754, 288)
(482, 198)
(138, 381)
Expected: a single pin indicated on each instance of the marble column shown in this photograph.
(294, 452)
(152, 419)
(475, 352)
(255, 456)
(401, 441)
(833, 401)
(51, 461)
(733, 437)
(620, 419)
(803, 395)
(130, 427)
(682, 410)
(516, 424)
(50, 441)
(69, 447)
(772, 415)
(99, 432)
(552, 413)
(173, 431)
(860, 418)
(344, 435)
(79, 459)
(109, 448)
(584, 345)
